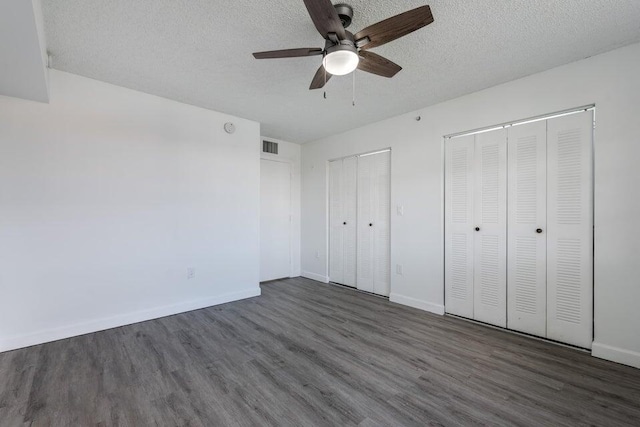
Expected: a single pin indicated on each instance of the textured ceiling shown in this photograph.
(199, 52)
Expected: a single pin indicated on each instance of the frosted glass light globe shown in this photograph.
(340, 62)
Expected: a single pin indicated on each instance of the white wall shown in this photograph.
(291, 153)
(107, 196)
(609, 80)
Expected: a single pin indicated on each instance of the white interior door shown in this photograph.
(459, 226)
(527, 234)
(373, 272)
(570, 229)
(490, 254)
(275, 220)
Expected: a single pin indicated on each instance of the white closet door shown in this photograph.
(342, 221)
(459, 226)
(381, 210)
(570, 230)
(365, 232)
(336, 226)
(349, 194)
(373, 223)
(526, 257)
(490, 255)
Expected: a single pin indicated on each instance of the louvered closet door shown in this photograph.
(373, 223)
(349, 194)
(381, 212)
(336, 227)
(526, 257)
(342, 221)
(490, 242)
(570, 229)
(459, 226)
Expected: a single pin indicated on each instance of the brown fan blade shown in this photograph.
(319, 79)
(325, 18)
(288, 53)
(395, 27)
(376, 64)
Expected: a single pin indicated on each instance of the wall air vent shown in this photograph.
(269, 147)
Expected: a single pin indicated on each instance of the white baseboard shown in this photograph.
(40, 337)
(417, 303)
(616, 354)
(316, 277)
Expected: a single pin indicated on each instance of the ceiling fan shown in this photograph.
(343, 51)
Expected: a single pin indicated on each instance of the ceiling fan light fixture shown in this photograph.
(344, 52)
(341, 60)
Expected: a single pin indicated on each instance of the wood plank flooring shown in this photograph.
(306, 353)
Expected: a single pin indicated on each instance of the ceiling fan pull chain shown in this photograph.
(325, 75)
(353, 99)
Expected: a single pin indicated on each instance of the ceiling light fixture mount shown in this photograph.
(345, 13)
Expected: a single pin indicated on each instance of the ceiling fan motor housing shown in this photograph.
(349, 42)
(345, 12)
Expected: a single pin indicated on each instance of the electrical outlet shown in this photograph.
(399, 269)
(191, 273)
(318, 254)
(400, 210)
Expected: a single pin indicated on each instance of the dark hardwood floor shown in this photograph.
(306, 353)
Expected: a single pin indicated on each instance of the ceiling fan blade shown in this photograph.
(325, 18)
(319, 79)
(376, 64)
(395, 27)
(288, 53)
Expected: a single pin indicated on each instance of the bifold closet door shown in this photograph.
(459, 226)
(570, 229)
(519, 228)
(527, 233)
(373, 242)
(490, 237)
(342, 221)
(476, 226)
